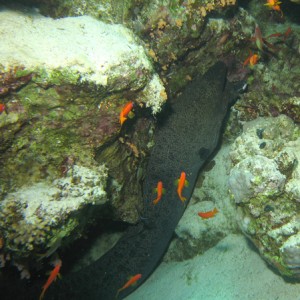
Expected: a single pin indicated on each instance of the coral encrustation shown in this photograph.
(35, 219)
(265, 183)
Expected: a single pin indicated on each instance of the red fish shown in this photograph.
(160, 190)
(287, 33)
(132, 281)
(125, 111)
(181, 183)
(51, 278)
(252, 60)
(208, 214)
(2, 108)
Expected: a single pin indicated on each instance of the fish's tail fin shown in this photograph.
(122, 120)
(42, 294)
(183, 199)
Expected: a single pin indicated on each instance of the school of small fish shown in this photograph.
(261, 42)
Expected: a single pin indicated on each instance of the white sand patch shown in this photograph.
(229, 271)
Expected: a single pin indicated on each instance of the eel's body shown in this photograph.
(184, 141)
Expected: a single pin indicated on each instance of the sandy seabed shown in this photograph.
(232, 270)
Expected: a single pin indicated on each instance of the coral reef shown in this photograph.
(175, 32)
(183, 41)
(62, 106)
(37, 219)
(130, 10)
(273, 83)
(264, 181)
(63, 103)
(112, 59)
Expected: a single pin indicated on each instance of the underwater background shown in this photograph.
(150, 149)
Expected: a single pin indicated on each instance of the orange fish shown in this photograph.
(51, 278)
(125, 111)
(181, 183)
(275, 5)
(160, 190)
(2, 108)
(208, 214)
(132, 281)
(252, 60)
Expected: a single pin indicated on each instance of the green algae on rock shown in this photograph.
(175, 32)
(265, 182)
(73, 92)
(274, 82)
(75, 50)
(64, 83)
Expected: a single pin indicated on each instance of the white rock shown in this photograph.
(255, 175)
(290, 252)
(81, 48)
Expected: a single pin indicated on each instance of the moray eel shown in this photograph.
(184, 140)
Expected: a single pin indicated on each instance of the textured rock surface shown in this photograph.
(63, 83)
(35, 219)
(264, 181)
(182, 37)
(77, 50)
(253, 176)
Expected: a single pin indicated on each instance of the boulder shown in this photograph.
(264, 181)
(63, 84)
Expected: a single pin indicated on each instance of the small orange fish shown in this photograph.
(274, 5)
(160, 190)
(252, 60)
(125, 111)
(181, 183)
(51, 278)
(132, 281)
(2, 108)
(208, 214)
